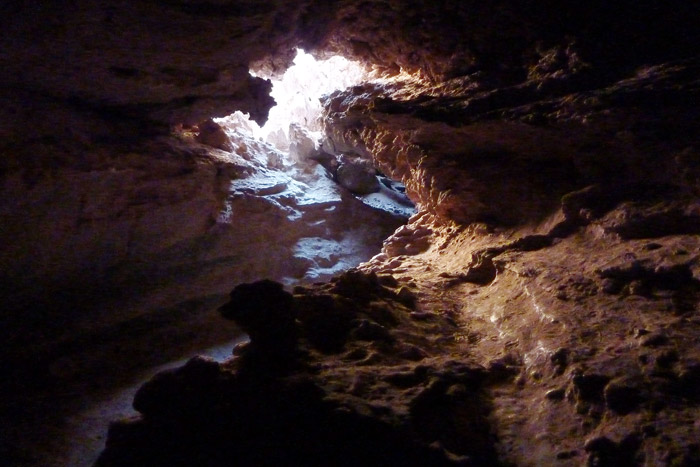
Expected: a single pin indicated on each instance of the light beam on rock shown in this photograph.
(297, 95)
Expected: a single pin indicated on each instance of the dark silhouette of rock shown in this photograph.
(589, 387)
(325, 320)
(264, 311)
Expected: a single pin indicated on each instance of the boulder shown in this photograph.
(264, 310)
(358, 176)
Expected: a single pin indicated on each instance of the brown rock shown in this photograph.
(542, 142)
(212, 134)
(357, 177)
(589, 387)
(555, 394)
(622, 396)
(654, 339)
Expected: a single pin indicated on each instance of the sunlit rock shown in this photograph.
(302, 145)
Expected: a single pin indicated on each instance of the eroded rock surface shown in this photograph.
(357, 388)
(123, 250)
(540, 361)
(539, 309)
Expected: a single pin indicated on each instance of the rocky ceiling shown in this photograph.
(541, 308)
(184, 61)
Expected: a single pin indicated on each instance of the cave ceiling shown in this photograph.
(183, 61)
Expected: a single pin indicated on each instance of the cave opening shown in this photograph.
(297, 94)
(295, 128)
(338, 206)
(255, 203)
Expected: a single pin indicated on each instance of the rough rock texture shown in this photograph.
(174, 212)
(302, 144)
(357, 176)
(554, 285)
(541, 308)
(121, 250)
(490, 347)
(507, 156)
(356, 388)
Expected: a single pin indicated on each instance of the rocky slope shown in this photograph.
(539, 309)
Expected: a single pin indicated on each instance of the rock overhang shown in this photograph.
(184, 61)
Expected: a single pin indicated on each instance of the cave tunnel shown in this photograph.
(477, 242)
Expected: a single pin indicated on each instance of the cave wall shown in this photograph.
(506, 157)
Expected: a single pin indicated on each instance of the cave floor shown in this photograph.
(554, 351)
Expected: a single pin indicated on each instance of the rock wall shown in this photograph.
(183, 61)
(469, 153)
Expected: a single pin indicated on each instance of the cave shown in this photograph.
(477, 244)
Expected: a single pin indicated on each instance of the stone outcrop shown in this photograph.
(302, 145)
(397, 405)
(508, 156)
